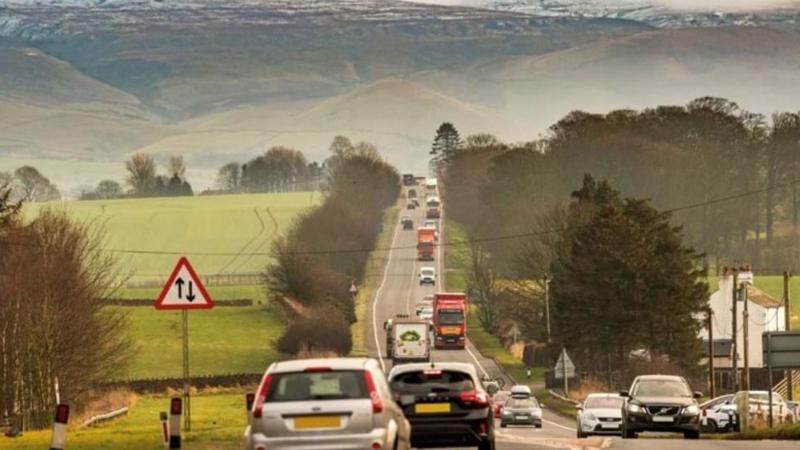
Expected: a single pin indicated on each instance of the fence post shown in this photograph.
(175, 410)
(60, 427)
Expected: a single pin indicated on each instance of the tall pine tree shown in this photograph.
(445, 144)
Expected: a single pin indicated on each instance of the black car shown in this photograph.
(445, 404)
(661, 403)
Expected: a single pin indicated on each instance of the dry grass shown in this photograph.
(104, 402)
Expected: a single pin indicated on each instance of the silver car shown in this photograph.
(521, 410)
(336, 403)
(600, 414)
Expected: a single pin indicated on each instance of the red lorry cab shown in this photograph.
(426, 240)
(450, 319)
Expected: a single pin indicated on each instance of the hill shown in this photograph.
(756, 67)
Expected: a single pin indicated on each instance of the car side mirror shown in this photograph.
(579, 407)
(624, 394)
(698, 394)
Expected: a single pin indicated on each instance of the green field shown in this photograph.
(187, 225)
(218, 422)
(223, 340)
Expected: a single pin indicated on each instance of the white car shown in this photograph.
(427, 275)
(600, 413)
(521, 391)
(342, 403)
(431, 224)
(426, 313)
(718, 414)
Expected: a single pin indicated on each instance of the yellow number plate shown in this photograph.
(309, 422)
(451, 330)
(432, 408)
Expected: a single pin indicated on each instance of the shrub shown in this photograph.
(323, 332)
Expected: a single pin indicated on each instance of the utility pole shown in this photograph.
(711, 379)
(547, 305)
(787, 317)
(746, 338)
(734, 309)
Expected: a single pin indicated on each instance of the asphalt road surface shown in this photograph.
(399, 291)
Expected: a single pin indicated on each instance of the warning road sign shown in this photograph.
(184, 290)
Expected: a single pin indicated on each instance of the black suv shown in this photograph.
(660, 403)
(445, 403)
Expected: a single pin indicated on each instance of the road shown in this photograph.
(398, 292)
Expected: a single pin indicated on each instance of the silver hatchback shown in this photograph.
(336, 403)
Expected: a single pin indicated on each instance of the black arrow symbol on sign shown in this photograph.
(191, 296)
(179, 283)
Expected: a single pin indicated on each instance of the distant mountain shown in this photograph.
(658, 13)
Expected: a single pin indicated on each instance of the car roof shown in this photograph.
(415, 367)
(603, 395)
(298, 365)
(659, 377)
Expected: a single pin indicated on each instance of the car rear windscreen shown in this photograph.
(423, 382)
(529, 402)
(604, 403)
(303, 386)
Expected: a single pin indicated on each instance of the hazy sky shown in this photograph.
(723, 5)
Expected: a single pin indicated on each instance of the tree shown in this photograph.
(53, 320)
(482, 285)
(445, 143)
(34, 186)
(176, 167)
(108, 189)
(627, 282)
(142, 179)
(229, 177)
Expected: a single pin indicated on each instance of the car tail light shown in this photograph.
(474, 399)
(263, 390)
(376, 446)
(433, 374)
(317, 369)
(377, 404)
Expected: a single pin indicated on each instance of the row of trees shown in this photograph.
(53, 274)
(27, 184)
(144, 181)
(620, 256)
(279, 169)
(673, 155)
(326, 250)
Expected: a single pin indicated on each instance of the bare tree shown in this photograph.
(177, 167)
(54, 275)
(141, 173)
(229, 177)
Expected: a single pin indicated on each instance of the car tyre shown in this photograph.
(711, 426)
(502, 425)
(487, 444)
(628, 434)
(538, 425)
(695, 434)
(580, 434)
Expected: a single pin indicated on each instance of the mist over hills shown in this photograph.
(97, 80)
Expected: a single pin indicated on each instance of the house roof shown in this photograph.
(760, 297)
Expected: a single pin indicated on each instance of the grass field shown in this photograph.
(186, 225)
(223, 340)
(218, 422)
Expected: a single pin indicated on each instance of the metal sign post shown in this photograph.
(184, 291)
(187, 382)
(781, 351)
(564, 370)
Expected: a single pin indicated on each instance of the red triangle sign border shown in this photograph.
(184, 262)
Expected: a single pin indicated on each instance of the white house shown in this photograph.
(765, 314)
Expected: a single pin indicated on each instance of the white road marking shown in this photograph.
(378, 296)
(411, 287)
(558, 425)
(485, 373)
